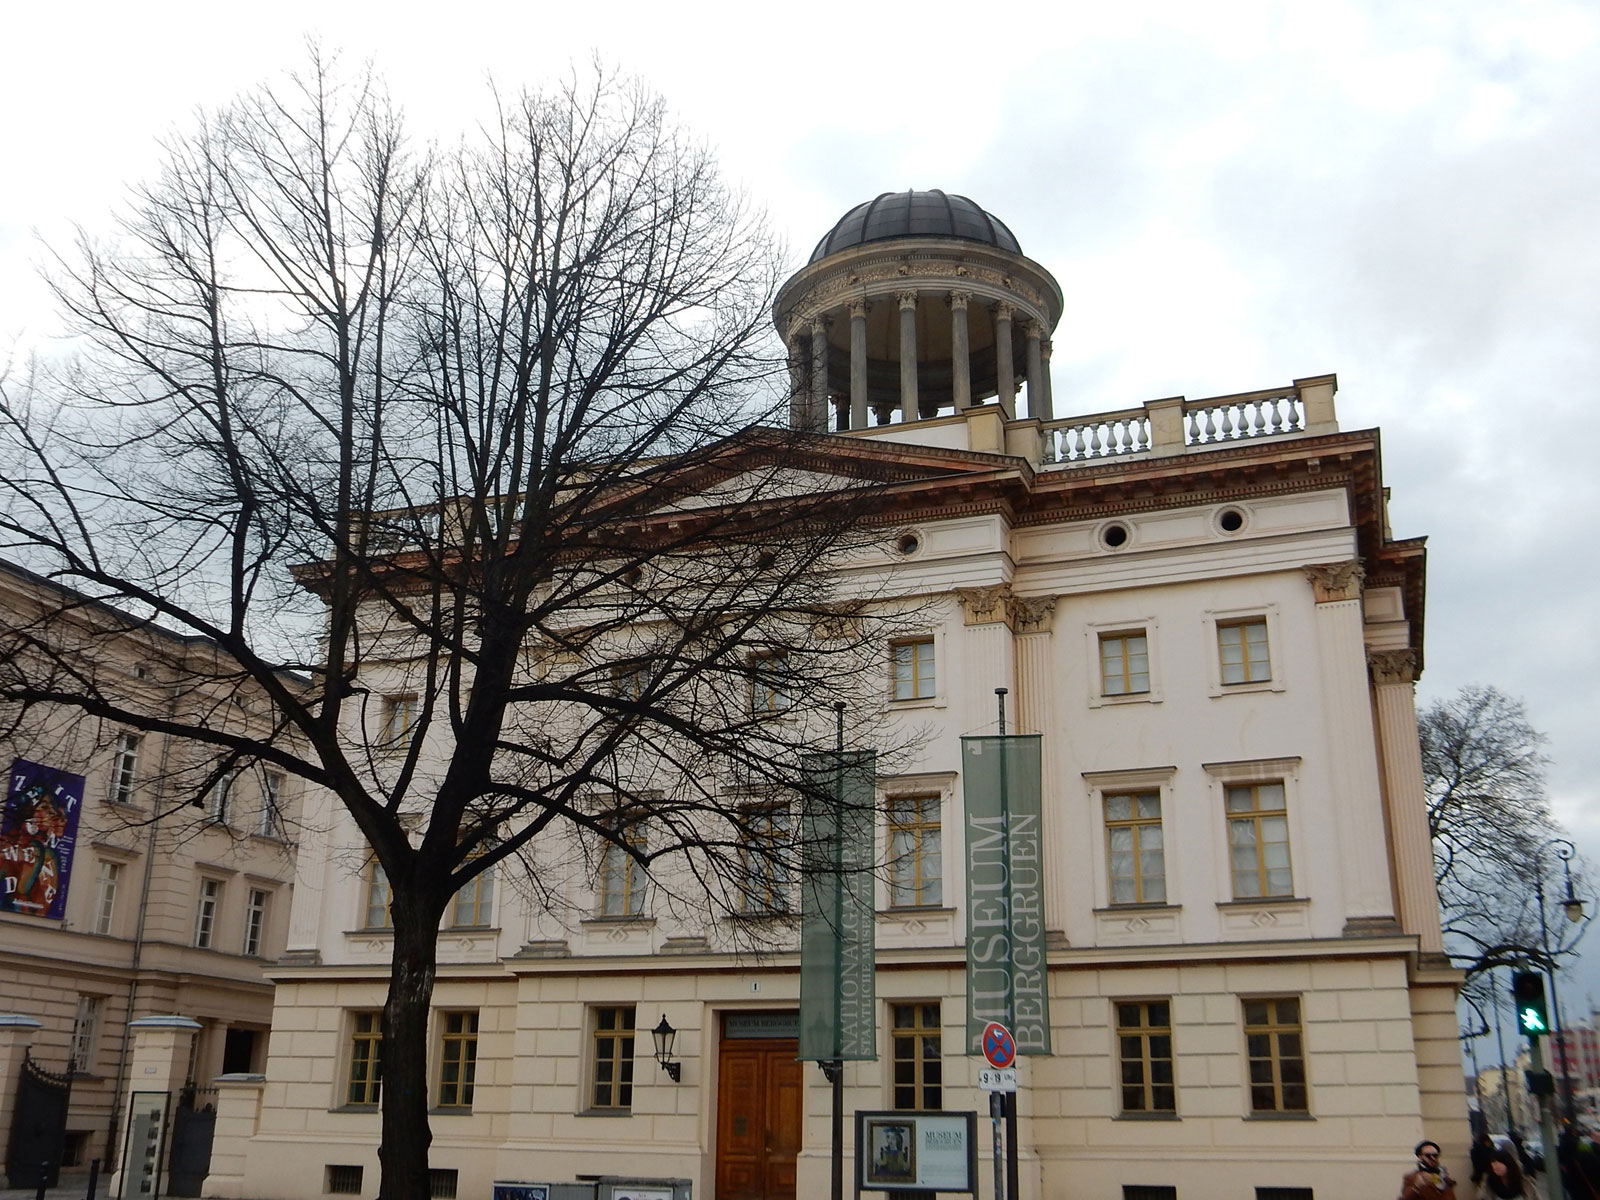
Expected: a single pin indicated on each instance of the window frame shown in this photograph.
(1136, 822)
(86, 1026)
(465, 1041)
(634, 878)
(1095, 632)
(107, 882)
(1098, 784)
(917, 689)
(476, 897)
(255, 921)
(219, 798)
(765, 823)
(269, 821)
(1254, 817)
(1145, 1032)
(1126, 674)
(926, 1094)
(363, 1047)
(1275, 1028)
(616, 1046)
(125, 767)
(208, 912)
(400, 712)
(919, 829)
(375, 883)
(1216, 620)
(769, 691)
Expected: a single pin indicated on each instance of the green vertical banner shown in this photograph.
(1002, 778)
(838, 932)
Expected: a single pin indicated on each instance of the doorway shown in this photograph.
(758, 1116)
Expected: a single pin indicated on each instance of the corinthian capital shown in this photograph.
(1393, 666)
(986, 605)
(1336, 580)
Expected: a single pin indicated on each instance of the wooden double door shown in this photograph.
(758, 1119)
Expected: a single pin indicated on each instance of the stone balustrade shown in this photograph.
(1176, 425)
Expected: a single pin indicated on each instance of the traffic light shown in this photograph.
(1527, 993)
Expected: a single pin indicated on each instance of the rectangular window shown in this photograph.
(399, 714)
(1242, 646)
(613, 1058)
(1124, 663)
(255, 922)
(1276, 1055)
(271, 825)
(219, 801)
(343, 1180)
(474, 905)
(770, 684)
(107, 879)
(442, 1183)
(376, 912)
(365, 1080)
(458, 1058)
(205, 924)
(1283, 1193)
(1134, 1191)
(630, 681)
(916, 861)
(764, 846)
(918, 1067)
(1144, 1043)
(125, 768)
(1258, 840)
(1135, 854)
(622, 878)
(913, 669)
(86, 1032)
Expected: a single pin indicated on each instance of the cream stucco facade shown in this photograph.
(1200, 607)
(171, 907)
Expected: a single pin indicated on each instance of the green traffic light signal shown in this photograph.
(1527, 990)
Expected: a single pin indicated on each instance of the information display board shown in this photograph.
(915, 1151)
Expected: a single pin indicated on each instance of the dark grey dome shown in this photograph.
(914, 215)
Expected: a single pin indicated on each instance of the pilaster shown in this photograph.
(1033, 623)
(1405, 797)
(1355, 789)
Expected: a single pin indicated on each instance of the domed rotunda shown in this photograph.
(916, 305)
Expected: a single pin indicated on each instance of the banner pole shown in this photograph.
(836, 1076)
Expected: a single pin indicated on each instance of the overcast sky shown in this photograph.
(1232, 195)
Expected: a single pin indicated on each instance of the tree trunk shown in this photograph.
(403, 1152)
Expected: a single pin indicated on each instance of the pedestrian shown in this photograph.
(1504, 1178)
(1482, 1152)
(1429, 1181)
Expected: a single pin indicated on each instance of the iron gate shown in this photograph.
(39, 1126)
(193, 1124)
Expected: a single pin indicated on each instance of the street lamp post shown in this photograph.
(1573, 907)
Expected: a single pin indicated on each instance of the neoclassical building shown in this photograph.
(1200, 607)
(167, 899)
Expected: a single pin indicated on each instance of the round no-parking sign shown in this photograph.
(999, 1047)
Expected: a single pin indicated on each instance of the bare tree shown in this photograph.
(1483, 766)
(487, 423)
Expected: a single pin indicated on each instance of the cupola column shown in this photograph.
(1038, 402)
(797, 382)
(1044, 378)
(960, 351)
(1006, 373)
(858, 364)
(817, 417)
(908, 356)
